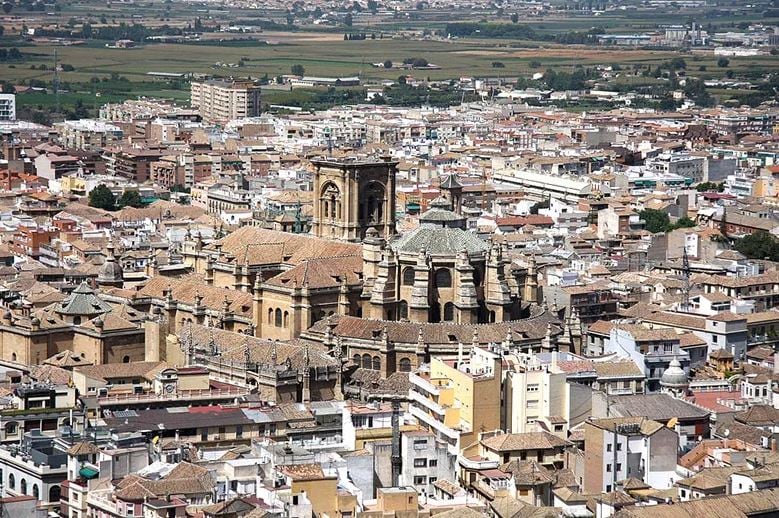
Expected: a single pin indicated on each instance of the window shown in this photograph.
(608, 488)
(443, 278)
(608, 468)
(376, 363)
(433, 463)
(239, 431)
(448, 312)
(35, 491)
(619, 467)
(714, 338)
(431, 480)
(12, 481)
(420, 463)
(533, 387)
(532, 403)
(278, 322)
(619, 446)
(23, 486)
(402, 309)
(408, 276)
(405, 365)
(608, 447)
(366, 361)
(420, 480)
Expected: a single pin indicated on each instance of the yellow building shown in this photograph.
(457, 399)
(311, 489)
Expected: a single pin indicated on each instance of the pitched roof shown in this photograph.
(524, 441)
(185, 290)
(257, 246)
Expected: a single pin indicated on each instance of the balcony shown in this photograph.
(434, 423)
(183, 395)
(427, 403)
(423, 384)
(476, 464)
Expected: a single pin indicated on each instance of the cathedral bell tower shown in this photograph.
(352, 195)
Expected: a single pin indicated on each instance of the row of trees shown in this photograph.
(12, 54)
(101, 197)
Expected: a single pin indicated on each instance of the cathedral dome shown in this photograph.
(674, 376)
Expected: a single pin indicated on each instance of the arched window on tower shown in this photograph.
(405, 365)
(443, 278)
(376, 363)
(372, 203)
(286, 319)
(408, 276)
(366, 361)
(278, 322)
(331, 201)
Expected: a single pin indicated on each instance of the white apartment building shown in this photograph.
(225, 100)
(7, 107)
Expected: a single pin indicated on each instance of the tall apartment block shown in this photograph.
(224, 100)
(7, 107)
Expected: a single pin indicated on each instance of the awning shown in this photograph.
(88, 473)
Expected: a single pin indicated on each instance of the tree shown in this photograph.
(514, 18)
(7, 7)
(348, 20)
(677, 64)
(723, 62)
(656, 220)
(130, 199)
(710, 187)
(101, 197)
(298, 70)
(373, 6)
(683, 222)
(388, 64)
(759, 245)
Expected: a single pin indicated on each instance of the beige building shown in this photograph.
(456, 400)
(224, 100)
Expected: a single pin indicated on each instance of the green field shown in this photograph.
(123, 73)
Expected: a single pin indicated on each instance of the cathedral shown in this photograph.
(385, 301)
